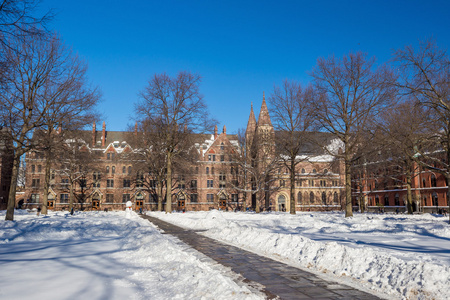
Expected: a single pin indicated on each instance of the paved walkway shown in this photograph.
(279, 279)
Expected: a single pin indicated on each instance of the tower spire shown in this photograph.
(264, 118)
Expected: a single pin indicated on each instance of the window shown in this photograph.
(222, 146)
(311, 182)
(34, 198)
(129, 170)
(110, 183)
(140, 179)
(221, 185)
(377, 200)
(397, 200)
(212, 170)
(207, 170)
(435, 199)
(324, 198)
(113, 170)
(126, 183)
(323, 183)
(303, 171)
(125, 198)
(96, 176)
(39, 169)
(386, 200)
(311, 197)
(335, 198)
(334, 183)
(194, 198)
(234, 197)
(196, 170)
(109, 198)
(193, 184)
(424, 182)
(214, 158)
(299, 182)
(181, 185)
(107, 169)
(282, 183)
(36, 182)
(124, 170)
(222, 177)
(325, 171)
(299, 198)
(210, 197)
(53, 175)
(222, 158)
(314, 171)
(152, 184)
(64, 182)
(209, 157)
(210, 183)
(33, 169)
(433, 180)
(64, 198)
(82, 183)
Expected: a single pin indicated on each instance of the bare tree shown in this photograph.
(77, 163)
(176, 107)
(292, 119)
(425, 74)
(16, 19)
(45, 89)
(351, 92)
(255, 170)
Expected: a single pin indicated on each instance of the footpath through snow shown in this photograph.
(400, 256)
(98, 255)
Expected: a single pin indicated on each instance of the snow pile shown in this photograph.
(399, 256)
(98, 255)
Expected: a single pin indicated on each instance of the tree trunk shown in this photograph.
(169, 183)
(12, 189)
(71, 196)
(46, 185)
(348, 189)
(409, 200)
(159, 189)
(258, 202)
(292, 187)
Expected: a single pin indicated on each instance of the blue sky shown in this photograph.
(240, 48)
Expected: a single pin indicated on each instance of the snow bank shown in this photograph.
(98, 255)
(400, 256)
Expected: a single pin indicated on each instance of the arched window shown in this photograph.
(424, 182)
(386, 200)
(325, 171)
(212, 170)
(335, 198)
(303, 171)
(281, 203)
(207, 170)
(433, 180)
(397, 200)
(124, 170)
(299, 198)
(314, 171)
(377, 200)
(113, 170)
(107, 169)
(435, 199)
(129, 170)
(311, 197)
(324, 198)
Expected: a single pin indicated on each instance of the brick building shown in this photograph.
(385, 188)
(214, 182)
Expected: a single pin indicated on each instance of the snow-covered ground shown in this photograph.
(98, 255)
(400, 256)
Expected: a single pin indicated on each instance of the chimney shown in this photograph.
(93, 134)
(224, 129)
(103, 134)
(215, 132)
